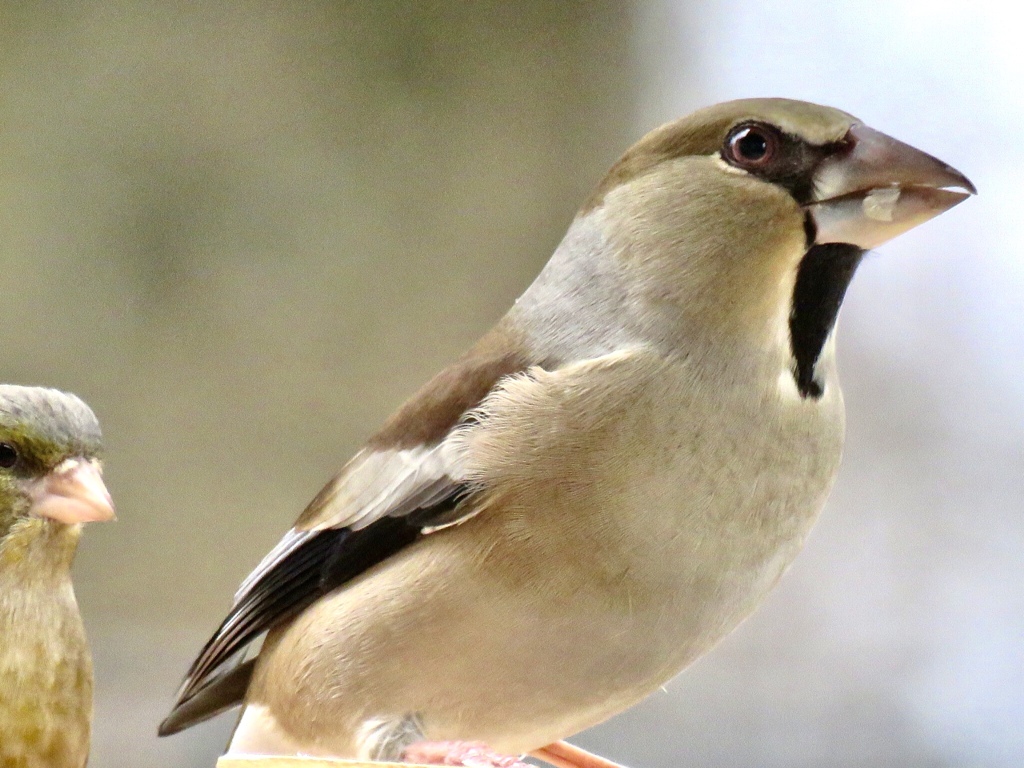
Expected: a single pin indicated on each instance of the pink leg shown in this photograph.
(470, 754)
(562, 754)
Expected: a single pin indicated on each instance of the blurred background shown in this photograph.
(244, 232)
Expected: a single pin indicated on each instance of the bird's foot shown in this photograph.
(470, 754)
(562, 754)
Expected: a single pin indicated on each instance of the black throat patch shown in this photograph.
(822, 278)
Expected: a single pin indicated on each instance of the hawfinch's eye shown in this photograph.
(751, 146)
(8, 455)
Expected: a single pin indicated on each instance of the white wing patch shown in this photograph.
(374, 484)
(392, 483)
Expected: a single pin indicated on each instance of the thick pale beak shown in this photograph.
(879, 188)
(72, 493)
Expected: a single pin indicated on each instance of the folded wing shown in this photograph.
(391, 493)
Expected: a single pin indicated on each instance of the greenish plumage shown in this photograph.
(45, 668)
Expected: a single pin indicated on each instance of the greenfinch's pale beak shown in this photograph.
(879, 188)
(72, 493)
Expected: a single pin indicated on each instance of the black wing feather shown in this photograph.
(319, 562)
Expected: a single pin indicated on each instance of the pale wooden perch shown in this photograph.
(560, 754)
(305, 762)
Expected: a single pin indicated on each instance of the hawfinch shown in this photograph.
(601, 488)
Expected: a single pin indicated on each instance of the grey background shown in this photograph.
(244, 232)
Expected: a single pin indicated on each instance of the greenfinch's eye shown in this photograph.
(751, 146)
(8, 455)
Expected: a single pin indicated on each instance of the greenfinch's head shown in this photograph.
(49, 458)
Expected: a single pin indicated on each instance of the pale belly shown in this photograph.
(569, 599)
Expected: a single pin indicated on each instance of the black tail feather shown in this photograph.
(225, 692)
